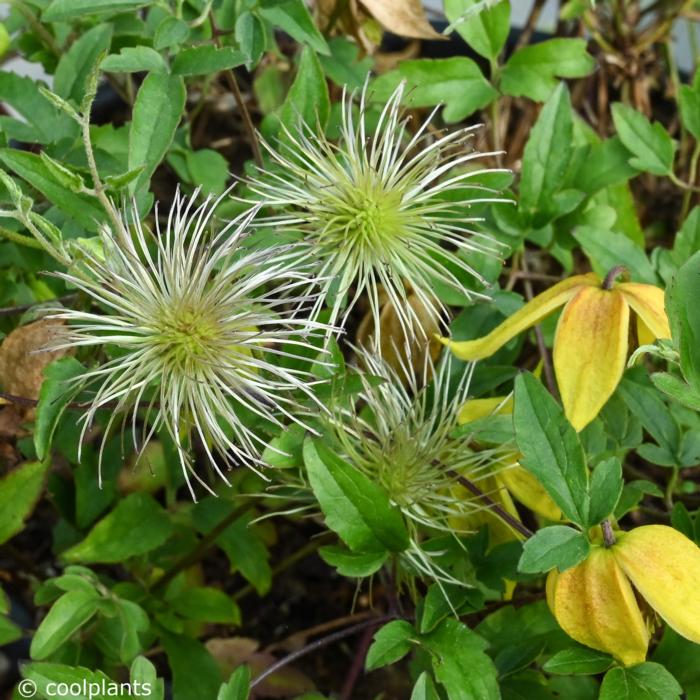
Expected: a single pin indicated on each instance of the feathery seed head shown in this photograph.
(376, 209)
(400, 434)
(193, 321)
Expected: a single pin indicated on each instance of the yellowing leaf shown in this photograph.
(595, 605)
(647, 302)
(529, 315)
(402, 17)
(664, 566)
(590, 351)
(528, 490)
(481, 408)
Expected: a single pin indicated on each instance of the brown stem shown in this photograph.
(319, 644)
(608, 534)
(204, 545)
(230, 77)
(500, 512)
(358, 662)
(611, 277)
(541, 345)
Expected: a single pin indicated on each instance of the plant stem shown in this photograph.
(608, 534)
(613, 274)
(498, 510)
(319, 644)
(204, 545)
(20, 239)
(245, 113)
(289, 561)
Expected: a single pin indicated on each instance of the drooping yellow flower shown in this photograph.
(595, 602)
(591, 341)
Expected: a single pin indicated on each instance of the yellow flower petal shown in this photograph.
(594, 604)
(664, 566)
(528, 490)
(590, 351)
(481, 408)
(647, 302)
(529, 315)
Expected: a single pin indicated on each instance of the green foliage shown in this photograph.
(593, 158)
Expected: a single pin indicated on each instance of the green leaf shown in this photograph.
(203, 60)
(251, 38)
(532, 71)
(9, 631)
(457, 82)
(552, 547)
(343, 66)
(578, 661)
(74, 68)
(606, 249)
(358, 510)
(26, 97)
(209, 170)
(602, 165)
(550, 448)
(144, 672)
(157, 111)
(546, 158)
(134, 59)
(391, 643)
(206, 605)
(689, 99)
(47, 676)
(307, 99)
(677, 389)
(424, 689)
(31, 168)
(62, 10)
(459, 662)
(66, 616)
(19, 492)
(644, 402)
(485, 30)
(195, 673)
(137, 525)
(170, 32)
(117, 182)
(353, 564)
(684, 316)
(649, 143)
(61, 174)
(54, 396)
(687, 240)
(606, 487)
(647, 681)
(238, 686)
(293, 17)
(240, 541)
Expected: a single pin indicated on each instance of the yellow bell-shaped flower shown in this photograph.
(595, 601)
(591, 341)
(664, 566)
(595, 605)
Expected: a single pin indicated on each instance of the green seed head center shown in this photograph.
(189, 334)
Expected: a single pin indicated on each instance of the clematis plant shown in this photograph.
(592, 338)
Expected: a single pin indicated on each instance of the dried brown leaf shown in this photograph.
(23, 357)
(402, 17)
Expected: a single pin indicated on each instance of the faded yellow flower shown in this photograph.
(595, 601)
(591, 342)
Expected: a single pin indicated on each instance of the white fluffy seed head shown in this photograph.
(376, 209)
(198, 325)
